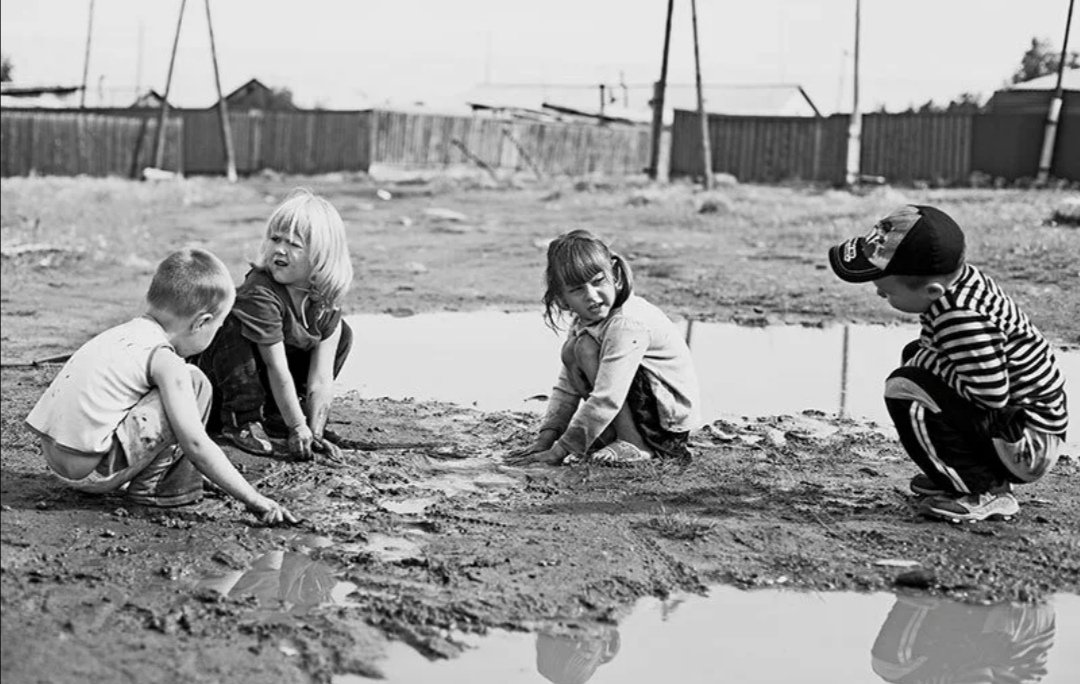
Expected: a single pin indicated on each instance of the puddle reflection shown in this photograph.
(499, 361)
(285, 580)
(928, 639)
(776, 636)
(573, 659)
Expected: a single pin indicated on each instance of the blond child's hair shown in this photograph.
(315, 221)
(188, 282)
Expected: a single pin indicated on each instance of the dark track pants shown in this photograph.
(961, 446)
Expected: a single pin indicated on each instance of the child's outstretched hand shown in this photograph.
(330, 452)
(300, 443)
(270, 512)
(538, 456)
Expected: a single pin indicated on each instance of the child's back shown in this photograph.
(94, 391)
(127, 413)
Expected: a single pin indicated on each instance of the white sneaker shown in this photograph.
(972, 507)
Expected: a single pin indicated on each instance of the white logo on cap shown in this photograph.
(880, 244)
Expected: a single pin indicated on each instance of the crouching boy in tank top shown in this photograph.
(127, 413)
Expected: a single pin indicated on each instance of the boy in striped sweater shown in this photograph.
(978, 401)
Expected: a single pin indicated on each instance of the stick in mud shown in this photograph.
(36, 363)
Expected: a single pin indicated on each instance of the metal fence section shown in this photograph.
(906, 147)
(91, 142)
(762, 148)
(1009, 143)
(940, 148)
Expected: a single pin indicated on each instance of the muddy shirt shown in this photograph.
(977, 340)
(98, 386)
(637, 334)
(268, 316)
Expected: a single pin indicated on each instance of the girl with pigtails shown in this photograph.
(627, 390)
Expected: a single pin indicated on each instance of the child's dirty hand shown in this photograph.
(270, 512)
(330, 452)
(531, 457)
(300, 442)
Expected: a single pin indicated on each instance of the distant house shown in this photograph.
(1034, 96)
(633, 103)
(151, 99)
(769, 99)
(51, 97)
(256, 95)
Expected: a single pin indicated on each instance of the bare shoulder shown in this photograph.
(168, 369)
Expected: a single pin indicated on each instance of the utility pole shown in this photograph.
(1046, 158)
(658, 100)
(855, 123)
(139, 60)
(223, 109)
(706, 145)
(86, 57)
(854, 145)
(159, 140)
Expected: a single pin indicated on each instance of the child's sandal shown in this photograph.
(619, 453)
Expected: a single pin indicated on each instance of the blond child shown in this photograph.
(126, 412)
(978, 401)
(274, 361)
(627, 390)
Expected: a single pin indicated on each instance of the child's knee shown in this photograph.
(901, 388)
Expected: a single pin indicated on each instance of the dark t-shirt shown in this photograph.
(267, 315)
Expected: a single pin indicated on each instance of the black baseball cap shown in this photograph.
(913, 240)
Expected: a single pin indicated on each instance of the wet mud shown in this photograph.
(423, 536)
(436, 540)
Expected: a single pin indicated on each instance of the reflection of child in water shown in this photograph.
(573, 658)
(293, 579)
(931, 640)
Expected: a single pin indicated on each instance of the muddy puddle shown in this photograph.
(498, 361)
(729, 635)
(774, 636)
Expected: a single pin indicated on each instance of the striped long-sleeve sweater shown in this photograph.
(984, 347)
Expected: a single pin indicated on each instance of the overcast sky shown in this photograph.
(333, 52)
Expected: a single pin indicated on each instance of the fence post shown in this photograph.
(817, 148)
(159, 142)
(223, 109)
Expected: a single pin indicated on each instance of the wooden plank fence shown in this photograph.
(428, 140)
(938, 148)
(48, 142)
(301, 142)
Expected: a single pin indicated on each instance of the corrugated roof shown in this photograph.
(1070, 80)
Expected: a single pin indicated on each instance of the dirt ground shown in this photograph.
(96, 589)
